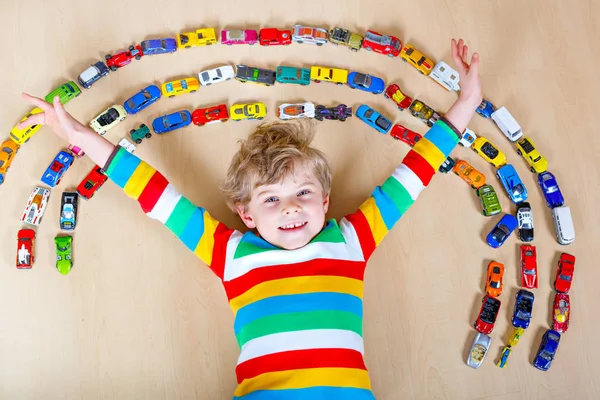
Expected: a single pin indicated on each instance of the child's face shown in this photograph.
(290, 213)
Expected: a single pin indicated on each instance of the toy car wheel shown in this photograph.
(259, 118)
(315, 81)
(519, 152)
(252, 44)
(460, 144)
(210, 83)
(138, 141)
(404, 60)
(143, 126)
(354, 50)
(386, 96)
(228, 44)
(473, 186)
(131, 132)
(339, 84)
(113, 68)
(367, 48)
(421, 72)
(319, 44)
(171, 96)
(131, 48)
(148, 135)
(391, 55)
(300, 41)
(225, 120)
(532, 170)
(342, 119)
(319, 118)
(107, 57)
(137, 56)
(192, 91)
(122, 119)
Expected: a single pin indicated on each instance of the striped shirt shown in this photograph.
(298, 313)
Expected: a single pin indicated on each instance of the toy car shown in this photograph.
(25, 255)
(488, 152)
(423, 112)
(487, 315)
(216, 75)
(523, 308)
(210, 115)
(562, 312)
(76, 151)
(516, 190)
(529, 270)
(65, 92)
(92, 74)
(36, 206)
(382, 44)
(468, 137)
(405, 135)
(447, 165)
(327, 74)
(142, 99)
(367, 83)
(549, 186)
(527, 150)
(293, 111)
(201, 37)
(309, 34)
(275, 37)
(525, 218)
(507, 124)
(91, 183)
(373, 119)
(339, 112)
(239, 36)
(344, 37)
(245, 73)
(547, 351)
(180, 86)
(479, 349)
(394, 93)
(170, 122)
(123, 57)
(495, 273)
(564, 273)
(504, 354)
(20, 136)
(515, 336)
(127, 145)
(158, 46)
(298, 76)
(417, 59)
(501, 231)
(68, 211)
(8, 150)
(240, 112)
(64, 254)
(489, 200)
(485, 109)
(57, 168)
(446, 76)
(137, 135)
(469, 174)
(108, 119)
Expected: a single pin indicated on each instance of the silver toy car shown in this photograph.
(478, 351)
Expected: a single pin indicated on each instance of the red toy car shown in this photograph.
(487, 315)
(388, 45)
(562, 312)
(394, 93)
(405, 135)
(210, 115)
(529, 275)
(274, 37)
(25, 239)
(123, 57)
(564, 274)
(91, 183)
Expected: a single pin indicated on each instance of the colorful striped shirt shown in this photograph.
(298, 313)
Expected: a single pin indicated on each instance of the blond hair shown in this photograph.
(268, 155)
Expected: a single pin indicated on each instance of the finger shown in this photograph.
(61, 114)
(465, 54)
(35, 119)
(36, 101)
(456, 57)
(474, 63)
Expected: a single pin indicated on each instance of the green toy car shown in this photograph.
(140, 133)
(65, 92)
(489, 200)
(64, 261)
(298, 76)
(346, 38)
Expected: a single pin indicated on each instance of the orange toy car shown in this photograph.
(469, 174)
(493, 285)
(8, 149)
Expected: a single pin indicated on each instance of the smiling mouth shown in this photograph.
(294, 226)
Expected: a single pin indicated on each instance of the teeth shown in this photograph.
(290, 226)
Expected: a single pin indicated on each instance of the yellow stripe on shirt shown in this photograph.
(430, 152)
(138, 180)
(204, 249)
(373, 215)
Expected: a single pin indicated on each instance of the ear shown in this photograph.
(325, 204)
(245, 216)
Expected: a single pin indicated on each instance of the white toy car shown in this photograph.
(446, 76)
(309, 34)
(36, 205)
(468, 138)
(108, 119)
(127, 145)
(479, 349)
(293, 111)
(507, 124)
(216, 75)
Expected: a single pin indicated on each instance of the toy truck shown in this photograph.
(344, 37)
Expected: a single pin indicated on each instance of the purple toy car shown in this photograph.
(239, 36)
(339, 112)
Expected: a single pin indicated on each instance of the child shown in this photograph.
(295, 286)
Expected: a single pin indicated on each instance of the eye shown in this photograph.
(271, 199)
(303, 192)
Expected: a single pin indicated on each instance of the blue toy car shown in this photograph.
(170, 122)
(547, 351)
(514, 186)
(368, 83)
(523, 309)
(159, 46)
(142, 99)
(373, 119)
(502, 231)
(57, 168)
(549, 186)
(485, 109)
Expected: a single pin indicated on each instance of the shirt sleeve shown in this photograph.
(389, 201)
(198, 231)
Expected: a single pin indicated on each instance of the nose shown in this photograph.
(291, 207)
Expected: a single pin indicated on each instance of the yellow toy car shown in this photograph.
(327, 74)
(20, 136)
(8, 149)
(180, 86)
(239, 112)
(488, 152)
(201, 37)
(413, 56)
(527, 150)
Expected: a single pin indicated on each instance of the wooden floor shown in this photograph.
(139, 317)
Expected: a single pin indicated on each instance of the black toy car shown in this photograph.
(447, 165)
(68, 211)
(339, 112)
(245, 73)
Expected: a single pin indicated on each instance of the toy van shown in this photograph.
(446, 76)
(507, 124)
(563, 224)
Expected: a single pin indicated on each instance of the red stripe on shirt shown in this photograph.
(221, 237)
(152, 192)
(363, 231)
(419, 166)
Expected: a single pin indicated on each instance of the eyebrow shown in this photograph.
(265, 191)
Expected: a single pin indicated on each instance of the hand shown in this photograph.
(470, 81)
